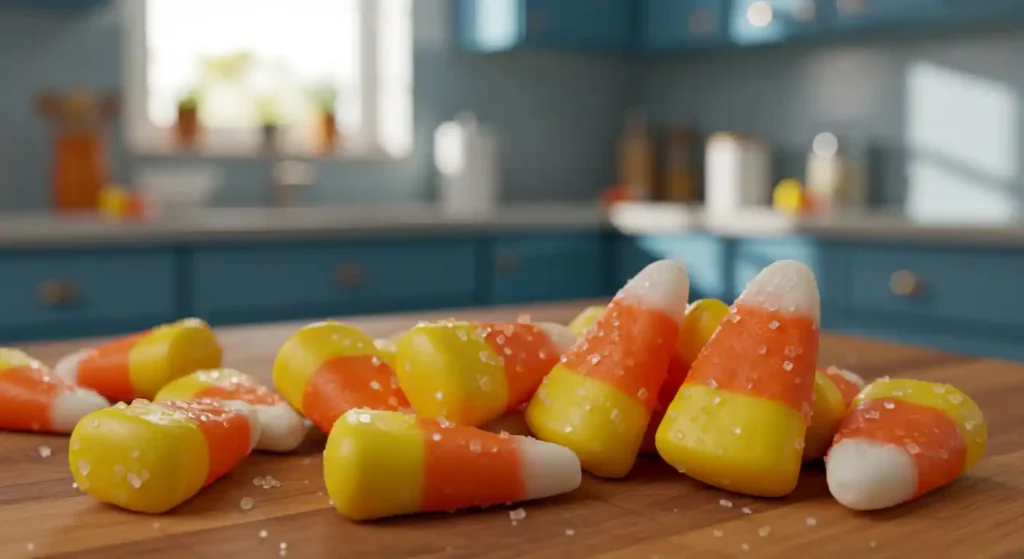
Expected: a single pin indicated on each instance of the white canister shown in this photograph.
(836, 176)
(466, 156)
(737, 172)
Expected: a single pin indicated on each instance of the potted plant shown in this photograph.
(325, 99)
(269, 118)
(186, 127)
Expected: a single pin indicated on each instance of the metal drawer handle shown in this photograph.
(349, 275)
(507, 264)
(904, 283)
(57, 293)
(851, 6)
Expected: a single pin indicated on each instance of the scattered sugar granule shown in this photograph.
(746, 510)
(744, 547)
(811, 521)
(44, 451)
(725, 503)
(569, 532)
(30, 546)
(873, 543)
(246, 503)
(263, 534)
(517, 514)
(764, 531)
(717, 533)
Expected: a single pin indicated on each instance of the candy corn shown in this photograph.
(139, 365)
(34, 399)
(598, 401)
(834, 390)
(699, 323)
(148, 457)
(281, 429)
(387, 350)
(901, 439)
(583, 320)
(472, 373)
(328, 368)
(739, 420)
(513, 423)
(381, 463)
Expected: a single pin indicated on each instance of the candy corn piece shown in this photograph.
(598, 400)
(739, 420)
(834, 391)
(383, 463)
(34, 399)
(512, 423)
(472, 373)
(387, 350)
(151, 457)
(327, 368)
(139, 365)
(901, 439)
(699, 323)
(583, 320)
(281, 428)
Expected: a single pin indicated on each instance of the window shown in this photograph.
(288, 66)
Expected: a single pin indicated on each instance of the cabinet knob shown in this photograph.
(507, 264)
(700, 22)
(904, 283)
(349, 275)
(851, 6)
(57, 293)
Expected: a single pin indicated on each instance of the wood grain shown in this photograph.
(655, 512)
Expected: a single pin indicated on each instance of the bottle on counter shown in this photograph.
(679, 180)
(836, 174)
(737, 172)
(636, 157)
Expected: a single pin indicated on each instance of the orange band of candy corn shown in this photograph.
(848, 388)
(751, 337)
(939, 448)
(628, 347)
(107, 368)
(461, 465)
(228, 433)
(26, 394)
(344, 383)
(528, 354)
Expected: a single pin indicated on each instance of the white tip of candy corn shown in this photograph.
(663, 285)
(868, 475)
(849, 375)
(548, 469)
(254, 420)
(281, 429)
(560, 335)
(67, 367)
(787, 286)
(71, 406)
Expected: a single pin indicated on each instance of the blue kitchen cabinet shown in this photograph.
(57, 6)
(754, 22)
(53, 294)
(669, 25)
(705, 256)
(501, 25)
(278, 281)
(533, 268)
(889, 14)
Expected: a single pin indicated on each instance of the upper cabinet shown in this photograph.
(770, 21)
(879, 14)
(667, 25)
(66, 6)
(589, 25)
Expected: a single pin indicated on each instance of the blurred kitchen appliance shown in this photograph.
(837, 172)
(78, 119)
(737, 172)
(466, 155)
(636, 157)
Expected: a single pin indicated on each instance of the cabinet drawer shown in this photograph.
(960, 285)
(753, 255)
(238, 283)
(53, 294)
(704, 256)
(549, 268)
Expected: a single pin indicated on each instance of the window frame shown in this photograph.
(144, 137)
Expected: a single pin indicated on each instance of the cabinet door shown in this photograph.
(533, 268)
(769, 21)
(579, 24)
(889, 13)
(667, 25)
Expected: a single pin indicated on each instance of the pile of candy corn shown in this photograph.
(451, 415)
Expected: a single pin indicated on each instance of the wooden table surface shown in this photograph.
(655, 512)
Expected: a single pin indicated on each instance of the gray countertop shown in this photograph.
(254, 224)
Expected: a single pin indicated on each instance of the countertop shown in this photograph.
(655, 512)
(44, 230)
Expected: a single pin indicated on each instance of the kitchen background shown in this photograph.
(922, 97)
